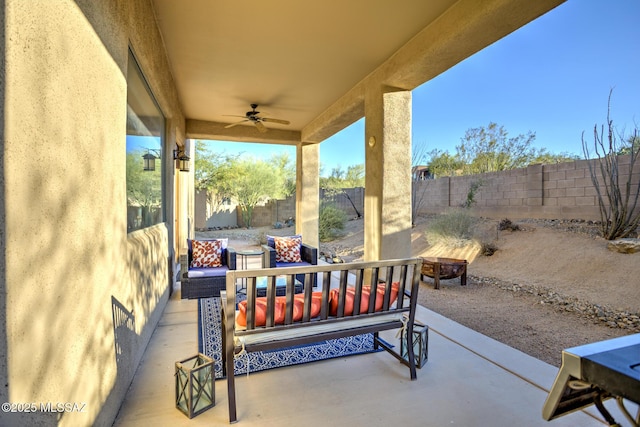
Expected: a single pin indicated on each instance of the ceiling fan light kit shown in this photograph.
(254, 118)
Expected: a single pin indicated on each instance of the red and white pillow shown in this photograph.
(206, 253)
(288, 249)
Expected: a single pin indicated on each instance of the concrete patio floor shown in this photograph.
(469, 380)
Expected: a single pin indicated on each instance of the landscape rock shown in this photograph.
(624, 246)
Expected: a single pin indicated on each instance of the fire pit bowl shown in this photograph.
(444, 268)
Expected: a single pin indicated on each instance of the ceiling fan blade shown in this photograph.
(234, 115)
(279, 121)
(261, 128)
(235, 124)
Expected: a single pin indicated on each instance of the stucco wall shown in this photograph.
(73, 279)
(558, 191)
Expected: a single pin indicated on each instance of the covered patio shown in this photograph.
(87, 302)
(469, 380)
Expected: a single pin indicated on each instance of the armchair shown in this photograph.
(200, 280)
(308, 255)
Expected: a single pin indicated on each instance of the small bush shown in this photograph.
(454, 227)
(458, 228)
(471, 194)
(332, 223)
(506, 224)
(488, 249)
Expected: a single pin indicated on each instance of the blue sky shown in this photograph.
(551, 77)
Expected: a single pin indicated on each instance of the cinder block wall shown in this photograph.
(558, 191)
(274, 211)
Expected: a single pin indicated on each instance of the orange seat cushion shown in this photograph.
(364, 301)
(279, 311)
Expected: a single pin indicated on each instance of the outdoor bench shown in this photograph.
(350, 299)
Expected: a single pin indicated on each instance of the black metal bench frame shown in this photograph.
(406, 272)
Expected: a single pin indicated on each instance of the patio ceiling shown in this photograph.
(311, 62)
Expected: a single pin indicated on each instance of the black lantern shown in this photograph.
(149, 161)
(182, 160)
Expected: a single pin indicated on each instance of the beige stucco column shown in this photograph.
(387, 217)
(308, 192)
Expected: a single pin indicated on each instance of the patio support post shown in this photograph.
(387, 217)
(308, 192)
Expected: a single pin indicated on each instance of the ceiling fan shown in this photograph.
(253, 117)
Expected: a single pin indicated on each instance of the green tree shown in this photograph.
(287, 171)
(336, 183)
(353, 177)
(630, 145)
(247, 181)
(550, 159)
(214, 173)
(491, 149)
(255, 181)
(441, 163)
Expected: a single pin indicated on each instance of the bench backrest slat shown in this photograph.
(377, 278)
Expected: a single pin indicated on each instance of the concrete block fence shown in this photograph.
(557, 191)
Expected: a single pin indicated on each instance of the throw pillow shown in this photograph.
(271, 242)
(288, 249)
(224, 242)
(364, 300)
(206, 253)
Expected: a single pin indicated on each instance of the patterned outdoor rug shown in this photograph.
(210, 343)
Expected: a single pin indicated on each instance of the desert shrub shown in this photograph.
(488, 249)
(506, 224)
(454, 227)
(332, 222)
(471, 194)
(617, 196)
(457, 228)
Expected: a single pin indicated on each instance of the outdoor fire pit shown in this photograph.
(444, 268)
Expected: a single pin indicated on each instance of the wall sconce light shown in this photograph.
(149, 160)
(182, 158)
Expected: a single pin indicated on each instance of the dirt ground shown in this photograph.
(549, 286)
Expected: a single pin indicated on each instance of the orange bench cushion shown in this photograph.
(364, 300)
(280, 307)
(316, 303)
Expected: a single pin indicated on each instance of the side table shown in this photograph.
(244, 261)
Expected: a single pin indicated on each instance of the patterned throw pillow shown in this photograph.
(288, 249)
(206, 253)
(271, 242)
